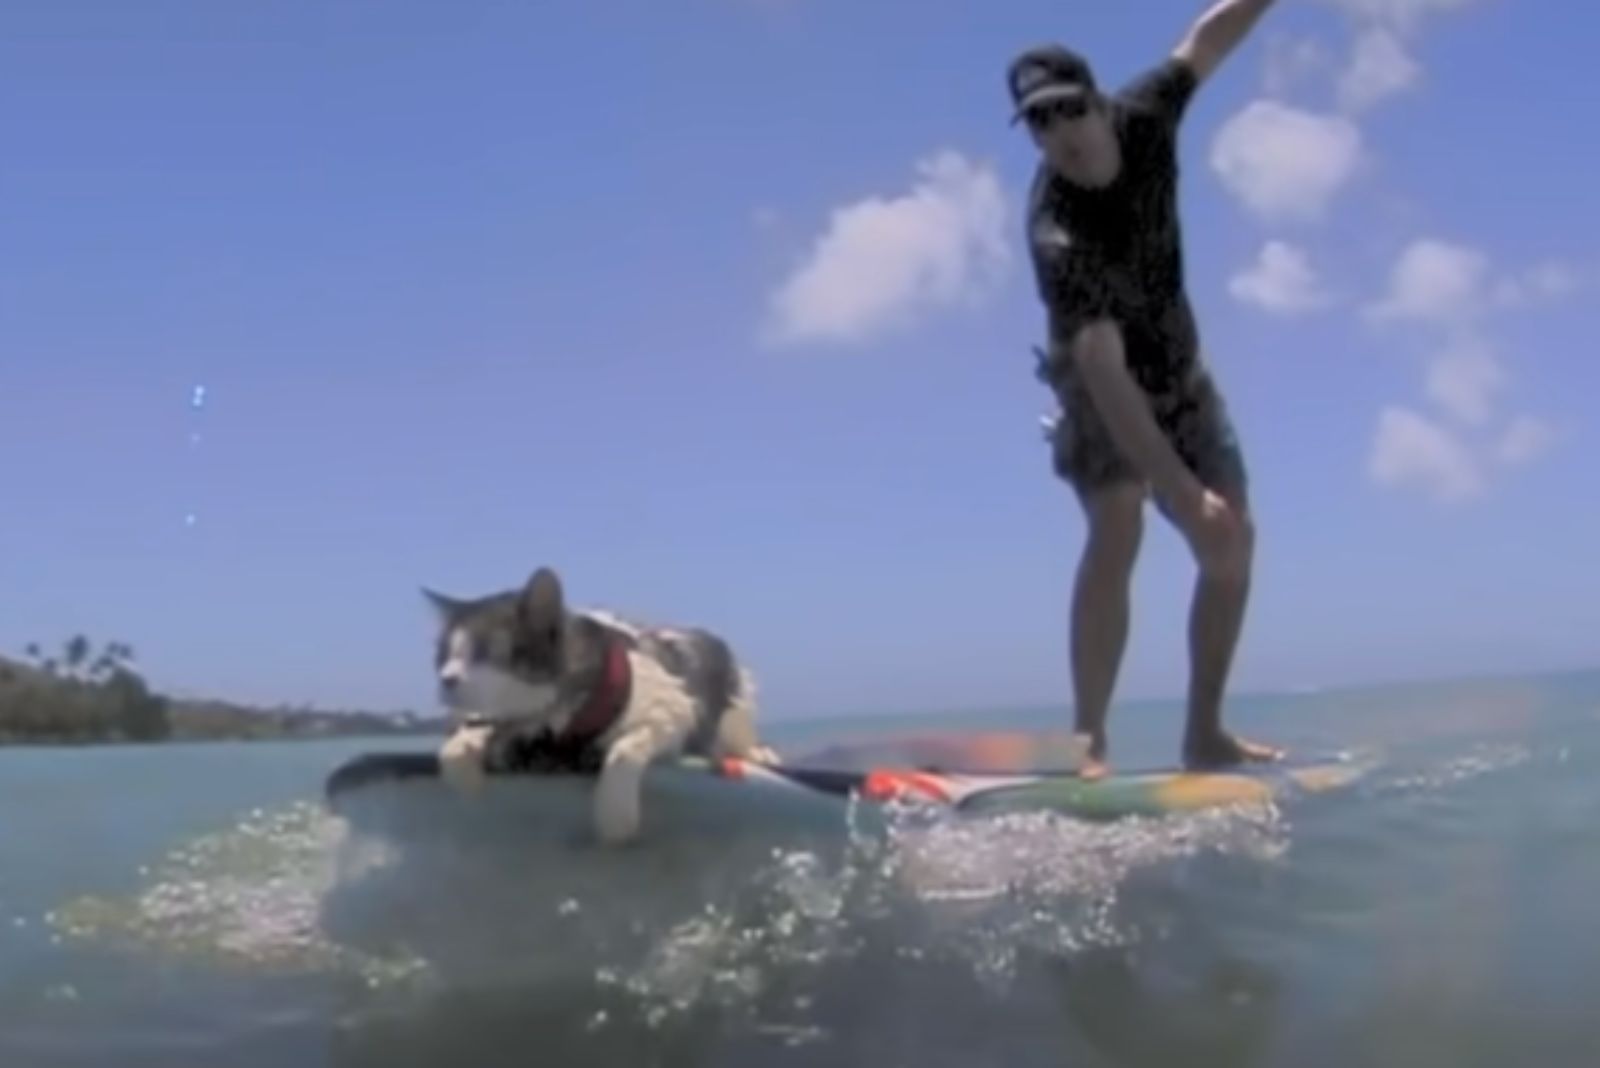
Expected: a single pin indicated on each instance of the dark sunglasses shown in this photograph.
(1065, 110)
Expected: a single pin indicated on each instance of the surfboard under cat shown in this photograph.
(966, 773)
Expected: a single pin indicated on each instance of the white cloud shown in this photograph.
(1400, 15)
(1284, 163)
(1287, 164)
(1465, 380)
(1410, 451)
(1281, 280)
(1435, 282)
(1442, 283)
(1525, 439)
(1379, 67)
(1550, 281)
(1380, 64)
(1454, 290)
(1291, 60)
(882, 261)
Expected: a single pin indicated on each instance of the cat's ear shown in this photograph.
(542, 605)
(445, 607)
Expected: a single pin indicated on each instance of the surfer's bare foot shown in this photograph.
(1093, 769)
(1093, 765)
(1222, 750)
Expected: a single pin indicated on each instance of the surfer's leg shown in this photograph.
(1216, 617)
(1204, 436)
(1115, 518)
(1112, 496)
(1215, 620)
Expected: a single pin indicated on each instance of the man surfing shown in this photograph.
(1140, 413)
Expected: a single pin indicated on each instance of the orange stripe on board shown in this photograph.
(882, 784)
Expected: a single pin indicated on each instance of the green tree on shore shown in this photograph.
(82, 695)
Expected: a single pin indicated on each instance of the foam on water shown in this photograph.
(970, 893)
(1482, 759)
(245, 897)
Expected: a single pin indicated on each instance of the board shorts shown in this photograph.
(1190, 411)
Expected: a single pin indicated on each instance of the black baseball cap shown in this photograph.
(1047, 74)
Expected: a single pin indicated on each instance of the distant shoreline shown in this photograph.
(88, 697)
(10, 742)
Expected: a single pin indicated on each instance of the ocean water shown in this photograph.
(196, 905)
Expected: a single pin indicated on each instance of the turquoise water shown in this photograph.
(195, 906)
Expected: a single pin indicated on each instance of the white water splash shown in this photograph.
(755, 932)
(973, 894)
(1483, 759)
(249, 897)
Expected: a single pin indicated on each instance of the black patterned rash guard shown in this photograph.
(1117, 252)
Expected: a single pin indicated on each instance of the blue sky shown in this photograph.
(721, 309)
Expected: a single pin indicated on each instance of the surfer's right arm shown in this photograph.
(1097, 352)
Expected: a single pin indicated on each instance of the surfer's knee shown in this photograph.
(1232, 564)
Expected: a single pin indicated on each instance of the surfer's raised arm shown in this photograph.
(1216, 33)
